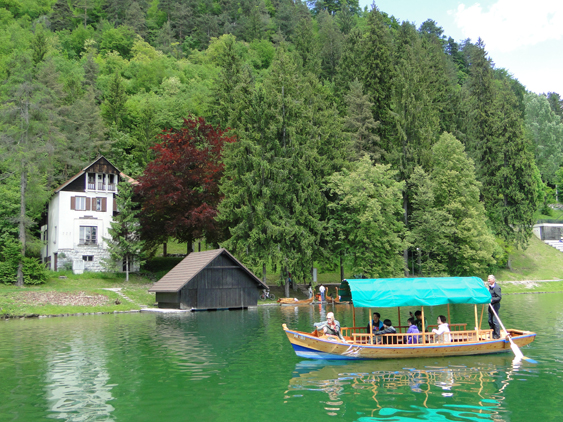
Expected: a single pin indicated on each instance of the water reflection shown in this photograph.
(77, 382)
(389, 390)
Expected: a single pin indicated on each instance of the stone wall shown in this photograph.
(95, 265)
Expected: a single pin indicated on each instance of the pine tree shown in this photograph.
(359, 121)
(113, 107)
(546, 131)
(330, 41)
(30, 133)
(306, 45)
(502, 154)
(272, 197)
(124, 245)
(135, 17)
(377, 72)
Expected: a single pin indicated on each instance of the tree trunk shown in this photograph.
(23, 186)
(264, 274)
(341, 269)
(286, 283)
(406, 251)
(189, 248)
(165, 249)
(126, 267)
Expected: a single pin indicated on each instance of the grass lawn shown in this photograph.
(82, 293)
(538, 262)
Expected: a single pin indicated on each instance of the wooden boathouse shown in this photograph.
(212, 279)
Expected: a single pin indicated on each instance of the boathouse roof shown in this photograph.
(191, 266)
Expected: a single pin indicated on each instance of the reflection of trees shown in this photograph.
(399, 389)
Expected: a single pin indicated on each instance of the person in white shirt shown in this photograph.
(443, 331)
(322, 292)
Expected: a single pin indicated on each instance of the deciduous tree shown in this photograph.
(179, 189)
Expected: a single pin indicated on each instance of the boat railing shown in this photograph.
(460, 336)
(348, 331)
(453, 327)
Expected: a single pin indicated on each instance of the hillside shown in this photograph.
(538, 262)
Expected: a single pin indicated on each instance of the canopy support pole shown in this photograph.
(481, 320)
(399, 312)
(423, 327)
(449, 319)
(476, 325)
(370, 326)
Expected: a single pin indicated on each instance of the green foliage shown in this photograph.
(120, 39)
(34, 272)
(448, 220)
(124, 244)
(545, 128)
(364, 218)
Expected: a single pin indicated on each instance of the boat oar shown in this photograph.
(515, 349)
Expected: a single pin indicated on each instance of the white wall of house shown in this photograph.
(78, 222)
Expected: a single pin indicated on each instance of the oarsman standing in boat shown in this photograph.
(496, 297)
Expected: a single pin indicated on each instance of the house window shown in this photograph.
(99, 204)
(88, 235)
(88, 257)
(80, 203)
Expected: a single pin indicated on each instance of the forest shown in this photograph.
(293, 133)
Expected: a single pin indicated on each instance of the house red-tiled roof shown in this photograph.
(191, 266)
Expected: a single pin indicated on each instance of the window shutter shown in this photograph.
(114, 202)
(87, 204)
(73, 202)
(104, 204)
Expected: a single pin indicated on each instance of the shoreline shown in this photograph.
(38, 316)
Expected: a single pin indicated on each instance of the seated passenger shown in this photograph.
(418, 316)
(443, 331)
(387, 329)
(329, 327)
(412, 329)
(376, 322)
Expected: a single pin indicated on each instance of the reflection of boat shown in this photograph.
(359, 344)
(294, 301)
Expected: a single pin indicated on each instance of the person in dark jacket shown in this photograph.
(496, 297)
(387, 329)
(376, 322)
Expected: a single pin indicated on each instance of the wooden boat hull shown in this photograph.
(292, 302)
(309, 346)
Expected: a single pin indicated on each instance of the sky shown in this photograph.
(524, 37)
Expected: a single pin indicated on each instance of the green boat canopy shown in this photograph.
(424, 291)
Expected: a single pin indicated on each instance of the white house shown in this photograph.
(79, 216)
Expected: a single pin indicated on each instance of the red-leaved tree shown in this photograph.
(179, 190)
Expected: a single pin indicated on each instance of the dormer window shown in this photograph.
(111, 182)
(101, 182)
(91, 181)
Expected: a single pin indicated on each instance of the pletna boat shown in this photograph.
(357, 343)
(294, 301)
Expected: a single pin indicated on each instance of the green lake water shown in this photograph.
(239, 366)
